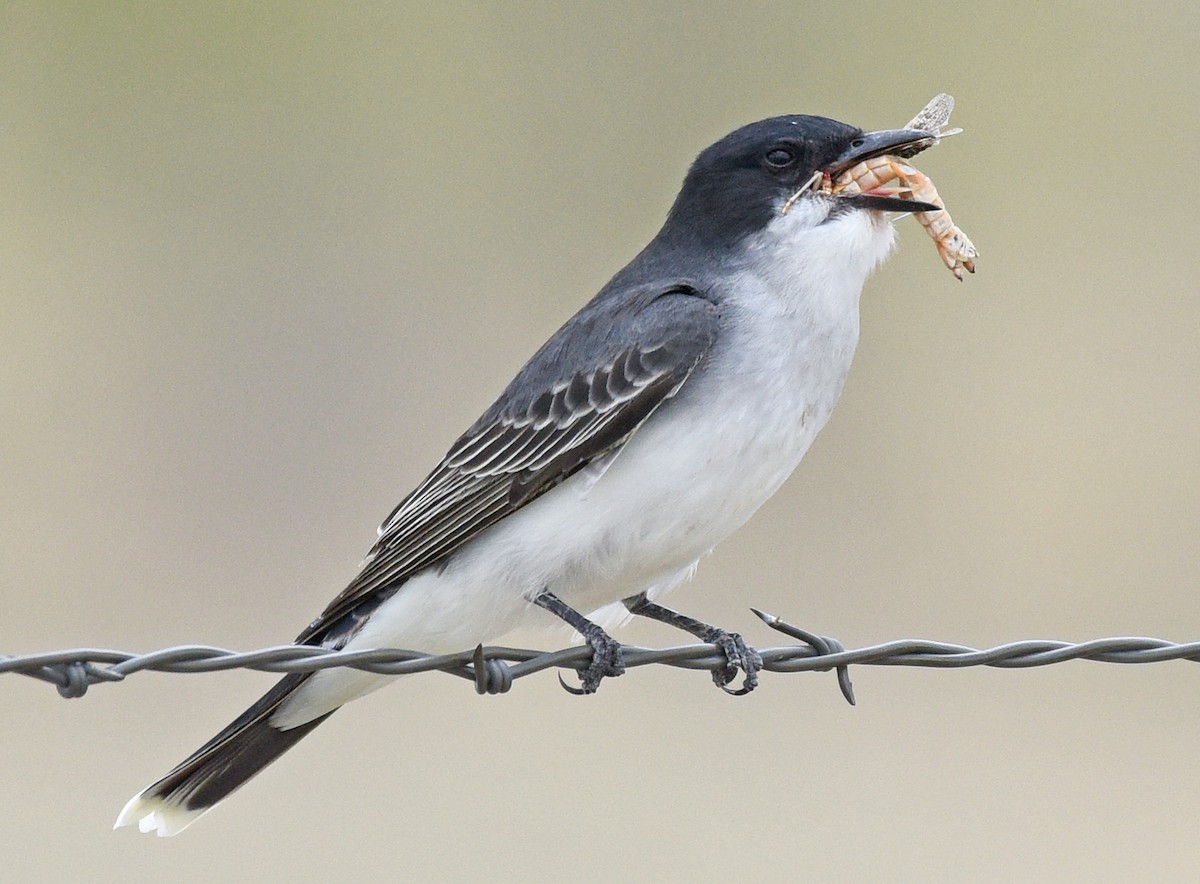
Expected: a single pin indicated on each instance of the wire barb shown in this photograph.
(492, 676)
(823, 645)
(493, 670)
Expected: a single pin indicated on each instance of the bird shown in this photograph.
(646, 430)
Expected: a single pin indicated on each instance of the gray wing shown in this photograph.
(578, 399)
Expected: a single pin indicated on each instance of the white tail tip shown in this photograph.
(153, 814)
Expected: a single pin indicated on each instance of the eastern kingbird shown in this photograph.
(645, 431)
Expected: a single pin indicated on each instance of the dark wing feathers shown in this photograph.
(578, 399)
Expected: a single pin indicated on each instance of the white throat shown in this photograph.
(816, 264)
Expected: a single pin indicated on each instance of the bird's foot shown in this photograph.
(738, 655)
(606, 661)
(606, 651)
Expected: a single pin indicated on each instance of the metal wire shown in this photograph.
(493, 669)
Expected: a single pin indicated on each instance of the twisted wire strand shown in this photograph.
(493, 669)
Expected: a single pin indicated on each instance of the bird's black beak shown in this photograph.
(902, 143)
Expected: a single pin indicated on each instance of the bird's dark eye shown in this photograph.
(780, 157)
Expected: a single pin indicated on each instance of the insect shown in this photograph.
(874, 175)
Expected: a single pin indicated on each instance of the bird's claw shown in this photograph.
(738, 655)
(607, 661)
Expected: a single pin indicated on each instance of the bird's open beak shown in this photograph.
(886, 142)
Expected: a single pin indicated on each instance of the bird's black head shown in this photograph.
(736, 186)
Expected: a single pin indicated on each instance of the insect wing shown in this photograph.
(935, 115)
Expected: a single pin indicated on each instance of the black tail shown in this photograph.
(218, 767)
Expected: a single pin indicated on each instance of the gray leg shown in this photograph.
(606, 651)
(738, 655)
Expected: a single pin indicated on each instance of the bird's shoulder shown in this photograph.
(669, 321)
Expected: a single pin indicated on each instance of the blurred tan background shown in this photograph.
(260, 265)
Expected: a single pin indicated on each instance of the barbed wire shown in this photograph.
(494, 669)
